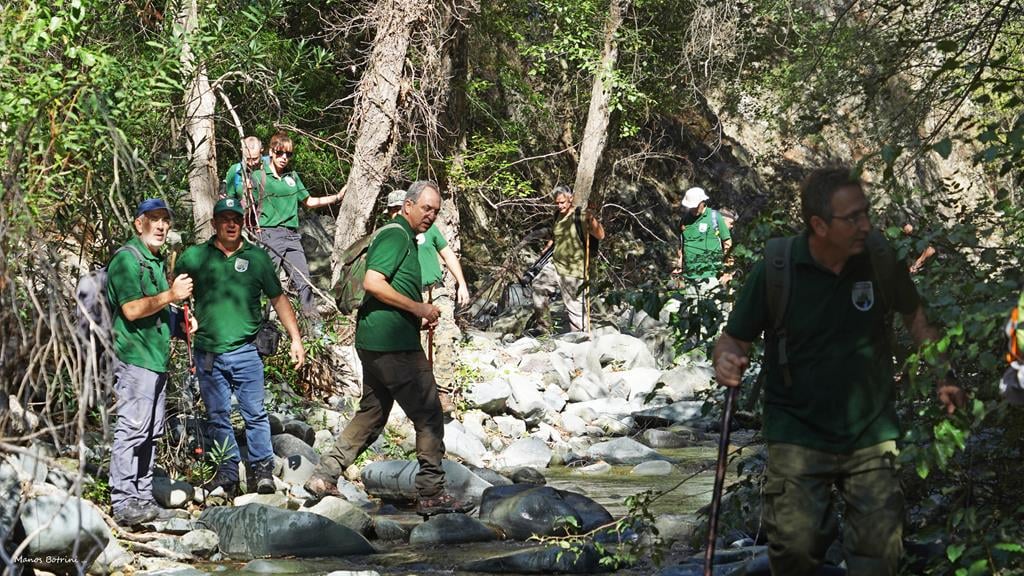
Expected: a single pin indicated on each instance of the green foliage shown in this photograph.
(97, 491)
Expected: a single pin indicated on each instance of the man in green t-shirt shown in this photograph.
(231, 275)
(235, 186)
(139, 296)
(567, 271)
(829, 416)
(704, 240)
(395, 369)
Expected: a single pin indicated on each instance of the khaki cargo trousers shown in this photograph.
(800, 518)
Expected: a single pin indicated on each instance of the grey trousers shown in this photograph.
(389, 377)
(549, 282)
(285, 248)
(141, 395)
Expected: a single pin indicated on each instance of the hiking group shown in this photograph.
(822, 299)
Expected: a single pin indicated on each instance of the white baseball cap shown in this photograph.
(693, 197)
(396, 198)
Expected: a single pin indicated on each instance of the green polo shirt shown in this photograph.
(227, 291)
(431, 243)
(568, 255)
(842, 395)
(143, 342)
(233, 180)
(383, 328)
(702, 245)
(281, 197)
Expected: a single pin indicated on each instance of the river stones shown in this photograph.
(542, 560)
(63, 529)
(396, 480)
(523, 510)
(451, 529)
(257, 530)
(623, 451)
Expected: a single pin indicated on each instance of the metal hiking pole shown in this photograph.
(716, 495)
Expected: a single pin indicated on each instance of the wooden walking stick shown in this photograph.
(430, 331)
(716, 496)
(586, 280)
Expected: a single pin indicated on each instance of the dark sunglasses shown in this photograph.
(285, 153)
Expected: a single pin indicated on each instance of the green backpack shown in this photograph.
(349, 293)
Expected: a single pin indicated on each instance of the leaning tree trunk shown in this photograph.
(595, 134)
(376, 120)
(200, 102)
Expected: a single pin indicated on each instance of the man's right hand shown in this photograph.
(181, 288)
(428, 312)
(729, 368)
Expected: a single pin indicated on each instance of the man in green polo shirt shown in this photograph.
(231, 275)
(139, 295)
(829, 416)
(395, 369)
(704, 240)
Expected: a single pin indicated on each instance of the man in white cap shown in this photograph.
(704, 240)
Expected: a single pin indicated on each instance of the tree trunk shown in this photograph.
(376, 120)
(595, 134)
(198, 129)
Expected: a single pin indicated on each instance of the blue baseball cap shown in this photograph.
(150, 204)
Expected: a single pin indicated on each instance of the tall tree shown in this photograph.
(198, 129)
(376, 118)
(595, 134)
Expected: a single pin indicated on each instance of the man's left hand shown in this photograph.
(297, 353)
(462, 295)
(951, 396)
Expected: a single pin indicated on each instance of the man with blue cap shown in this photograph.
(139, 294)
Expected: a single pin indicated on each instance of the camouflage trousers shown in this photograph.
(800, 517)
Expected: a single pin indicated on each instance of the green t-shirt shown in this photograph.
(281, 197)
(568, 256)
(144, 342)
(842, 395)
(431, 243)
(227, 291)
(233, 180)
(702, 245)
(383, 328)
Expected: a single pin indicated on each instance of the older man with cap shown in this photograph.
(139, 295)
(704, 241)
(231, 275)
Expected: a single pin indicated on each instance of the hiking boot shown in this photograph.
(134, 512)
(263, 473)
(161, 514)
(447, 404)
(443, 503)
(226, 481)
(320, 485)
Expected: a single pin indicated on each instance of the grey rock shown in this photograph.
(172, 493)
(510, 426)
(389, 530)
(667, 439)
(596, 468)
(605, 406)
(634, 384)
(573, 424)
(494, 478)
(355, 494)
(286, 445)
(527, 475)
(542, 560)
(587, 387)
(323, 441)
(10, 503)
(396, 480)
(654, 468)
(276, 500)
(613, 426)
(522, 510)
(114, 558)
(201, 543)
(451, 529)
(325, 419)
(490, 396)
(300, 430)
(354, 573)
(282, 566)
(458, 442)
(526, 401)
(522, 346)
(276, 424)
(687, 412)
(525, 452)
(623, 451)
(554, 398)
(63, 526)
(677, 527)
(297, 469)
(178, 526)
(683, 382)
(627, 351)
(32, 462)
(257, 530)
(344, 513)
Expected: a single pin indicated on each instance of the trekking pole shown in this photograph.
(716, 497)
(586, 281)
(191, 381)
(430, 331)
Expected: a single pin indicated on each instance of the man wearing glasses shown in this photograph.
(278, 192)
(139, 294)
(829, 405)
(395, 369)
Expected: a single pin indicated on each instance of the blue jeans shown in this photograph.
(239, 371)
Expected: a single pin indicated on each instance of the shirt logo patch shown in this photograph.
(241, 265)
(421, 238)
(703, 227)
(863, 296)
(289, 181)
